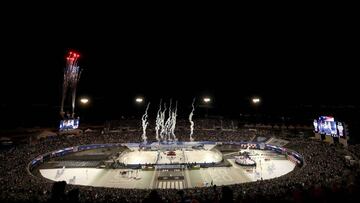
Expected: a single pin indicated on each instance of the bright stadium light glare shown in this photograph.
(256, 100)
(84, 100)
(207, 99)
(139, 100)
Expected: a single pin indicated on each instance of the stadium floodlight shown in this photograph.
(207, 99)
(139, 100)
(255, 100)
(84, 100)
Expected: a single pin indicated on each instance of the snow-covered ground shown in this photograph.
(239, 174)
(268, 165)
(270, 169)
(101, 177)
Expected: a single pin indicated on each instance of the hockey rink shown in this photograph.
(161, 157)
(139, 157)
(202, 156)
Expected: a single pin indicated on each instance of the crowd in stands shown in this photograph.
(324, 177)
(355, 149)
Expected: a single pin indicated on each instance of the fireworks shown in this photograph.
(191, 121)
(158, 122)
(145, 122)
(173, 123)
(166, 128)
(162, 123)
(72, 74)
(168, 124)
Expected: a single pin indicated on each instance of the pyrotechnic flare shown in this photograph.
(158, 123)
(191, 121)
(71, 78)
(65, 87)
(173, 123)
(74, 87)
(145, 123)
(170, 108)
(168, 123)
(162, 123)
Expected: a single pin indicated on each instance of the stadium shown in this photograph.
(176, 151)
(112, 164)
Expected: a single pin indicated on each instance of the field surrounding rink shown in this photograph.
(100, 177)
(268, 165)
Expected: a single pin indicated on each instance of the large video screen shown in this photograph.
(340, 128)
(316, 127)
(69, 124)
(327, 125)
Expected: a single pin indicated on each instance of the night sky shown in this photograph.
(287, 64)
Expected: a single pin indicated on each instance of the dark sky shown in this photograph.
(284, 62)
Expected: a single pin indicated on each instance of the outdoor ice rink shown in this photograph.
(160, 157)
(269, 165)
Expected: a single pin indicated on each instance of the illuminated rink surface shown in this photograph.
(161, 157)
(139, 157)
(274, 166)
